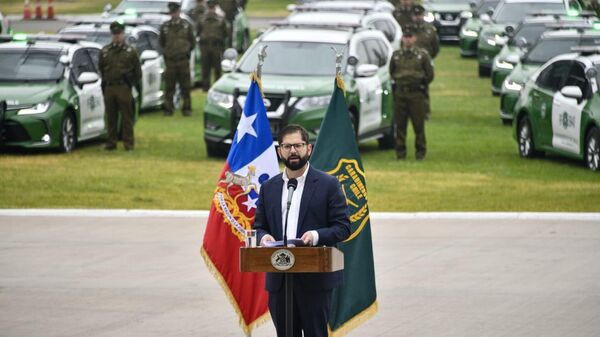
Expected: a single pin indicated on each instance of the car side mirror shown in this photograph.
(64, 59)
(148, 55)
(87, 78)
(366, 70)
(490, 12)
(352, 60)
(485, 18)
(230, 54)
(572, 91)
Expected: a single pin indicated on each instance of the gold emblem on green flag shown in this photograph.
(352, 179)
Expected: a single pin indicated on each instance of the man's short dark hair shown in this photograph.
(292, 128)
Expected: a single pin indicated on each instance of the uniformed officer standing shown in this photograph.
(427, 37)
(403, 12)
(121, 70)
(198, 12)
(213, 32)
(412, 70)
(177, 42)
(230, 7)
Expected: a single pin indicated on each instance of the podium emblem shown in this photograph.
(282, 259)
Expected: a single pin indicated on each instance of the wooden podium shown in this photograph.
(290, 260)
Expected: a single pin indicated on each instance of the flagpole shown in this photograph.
(339, 55)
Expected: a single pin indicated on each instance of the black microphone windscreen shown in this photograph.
(292, 183)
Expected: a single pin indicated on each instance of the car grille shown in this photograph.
(14, 132)
(448, 16)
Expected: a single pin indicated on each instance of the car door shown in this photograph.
(542, 98)
(389, 27)
(369, 88)
(566, 112)
(151, 73)
(91, 100)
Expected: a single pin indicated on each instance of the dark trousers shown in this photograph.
(410, 105)
(178, 72)
(211, 60)
(118, 98)
(311, 312)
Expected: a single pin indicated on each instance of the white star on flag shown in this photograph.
(250, 203)
(245, 126)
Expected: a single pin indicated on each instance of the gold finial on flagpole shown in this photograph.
(262, 54)
(339, 55)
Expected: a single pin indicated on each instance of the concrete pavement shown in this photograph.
(143, 276)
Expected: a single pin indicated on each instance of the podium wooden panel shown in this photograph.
(307, 259)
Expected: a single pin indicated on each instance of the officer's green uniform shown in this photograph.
(230, 7)
(403, 14)
(411, 70)
(177, 42)
(213, 32)
(427, 37)
(198, 13)
(121, 70)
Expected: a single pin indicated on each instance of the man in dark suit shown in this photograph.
(318, 215)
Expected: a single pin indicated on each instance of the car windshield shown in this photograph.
(294, 58)
(549, 48)
(450, 1)
(516, 12)
(142, 6)
(485, 6)
(30, 65)
(530, 33)
(102, 38)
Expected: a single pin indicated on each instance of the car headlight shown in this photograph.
(491, 42)
(466, 15)
(221, 99)
(429, 17)
(512, 85)
(313, 102)
(36, 109)
(470, 33)
(504, 64)
(500, 40)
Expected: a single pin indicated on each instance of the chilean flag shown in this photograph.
(251, 161)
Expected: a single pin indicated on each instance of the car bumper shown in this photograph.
(508, 100)
(485, 55)
(468, 46)
(32, 131)
(498, 77)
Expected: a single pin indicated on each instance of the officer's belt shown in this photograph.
(111, 83)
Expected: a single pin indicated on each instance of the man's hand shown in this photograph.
(308, 238)
(266, 238)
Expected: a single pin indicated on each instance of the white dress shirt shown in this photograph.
(294, 213)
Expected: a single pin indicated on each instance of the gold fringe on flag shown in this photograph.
(340, 83)
(254, 77)
(357, 320)
(247, 328)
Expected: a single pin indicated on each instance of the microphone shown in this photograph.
(292, 184)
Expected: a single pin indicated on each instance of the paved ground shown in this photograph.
(143, 276)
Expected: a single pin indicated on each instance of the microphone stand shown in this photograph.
(289, 277)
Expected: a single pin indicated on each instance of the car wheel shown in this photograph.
(592, 150)
(216, 150)
(525, 139)
(68, 137)
(388, 140)
(483, 71)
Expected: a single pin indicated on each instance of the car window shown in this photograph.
(386, 27)
(154, 41)
(384, 51)
(82, 62)
(95, 56)
(554, 76)
(377, 55)
(142, 43)
(30, 64)
(577, 78)
(361, 51)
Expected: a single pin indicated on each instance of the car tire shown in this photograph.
(388, 141)
(68, 133)
(216, 150)
(484, 72)
(525, 139)
(592, 149)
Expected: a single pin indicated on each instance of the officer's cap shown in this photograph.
(211, 3)
(408, 31)
(173, 6)
(418, 10)
(117, 27)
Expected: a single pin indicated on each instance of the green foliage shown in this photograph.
(472, 164)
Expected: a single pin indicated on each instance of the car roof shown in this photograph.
(543, 19)
(307, 34)
(533, 1)
(358, 5)
(571, 33)
(328, 18)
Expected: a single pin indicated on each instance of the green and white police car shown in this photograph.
(559, 109)
(447, 16)
(522, 38)
(52, 89)
(145, 40)
(469, 33)
(549, 45)
(344, 5)
(297, 81)
(509, 13)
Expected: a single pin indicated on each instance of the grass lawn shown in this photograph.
(472, 164)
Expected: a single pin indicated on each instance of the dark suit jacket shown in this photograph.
(322, 208)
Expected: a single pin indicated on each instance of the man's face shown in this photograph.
(408, 40)
(119, 37)
(418, 18)
(406, 3)
(293, 151)
(175, 14)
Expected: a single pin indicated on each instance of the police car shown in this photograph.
(383, 21)
(447, 16)
(469, 31)
(510, 13)
(345, 5)
(52, 89)
(298, 83)
(550, 44)
(558, 110)
(145, 40)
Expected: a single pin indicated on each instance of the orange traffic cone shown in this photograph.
(26, 11)
(50, 11)
(38, 10)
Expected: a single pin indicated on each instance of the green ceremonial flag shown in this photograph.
(336, 152)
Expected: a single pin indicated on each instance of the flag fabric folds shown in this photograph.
(336, 152)
(251, 161)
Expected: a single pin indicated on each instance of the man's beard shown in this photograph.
(297, 164)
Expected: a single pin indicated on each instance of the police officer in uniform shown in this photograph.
(403, 12)
(411, 69)
(213, 32)
(427, 37)
(177, 42)
(198, 12)
(230, 7)
(121, 70)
